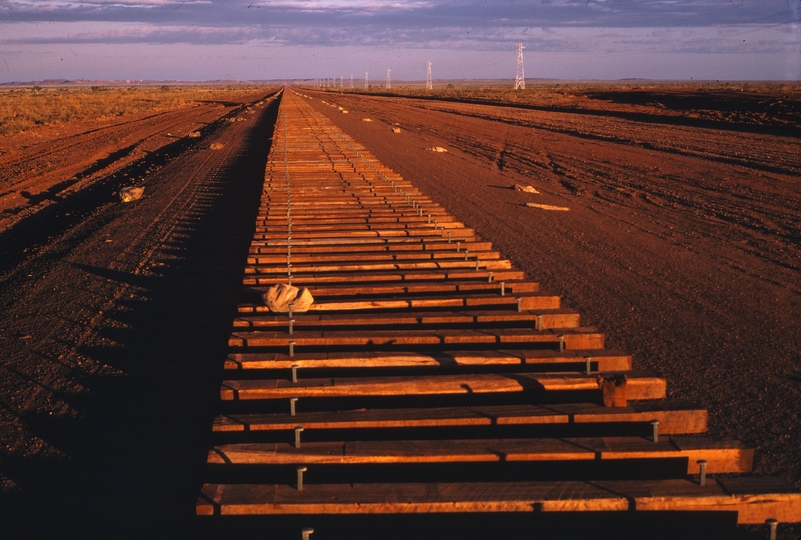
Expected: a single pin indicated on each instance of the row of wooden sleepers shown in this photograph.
(430, 376)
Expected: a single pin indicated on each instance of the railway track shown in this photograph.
(430, 376)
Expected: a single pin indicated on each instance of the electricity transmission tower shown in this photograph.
(351, 80)
(340, 83)
(520, 78)
(429, 83)
(366, 86)
(389, 84)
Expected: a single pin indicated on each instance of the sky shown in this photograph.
(473, 39)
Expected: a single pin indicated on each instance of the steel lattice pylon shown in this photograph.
(429, 83)
(520, 78)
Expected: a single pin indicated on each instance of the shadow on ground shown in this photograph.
(134, 457)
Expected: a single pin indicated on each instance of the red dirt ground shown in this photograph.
(681, 243)
(114, 325)
(42, 165)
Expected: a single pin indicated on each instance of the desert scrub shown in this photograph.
(23, 109)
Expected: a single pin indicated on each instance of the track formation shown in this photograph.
(429, 376)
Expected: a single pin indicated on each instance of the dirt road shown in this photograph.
(45, 165)
(681, 242)
(114, 323)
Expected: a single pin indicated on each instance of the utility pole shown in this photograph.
(429, 82)
(351, 80)
(520, 78)
(366, 86)
(389, 84)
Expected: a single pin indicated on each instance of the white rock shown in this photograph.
(547, 207)
(131, 194)
(527, 189)
(280, 296)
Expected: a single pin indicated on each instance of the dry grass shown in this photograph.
(23, 109)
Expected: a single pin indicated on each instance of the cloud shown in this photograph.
(431, 13)
(66, 5)
(612, 28)
(585, 40)
(102, 33)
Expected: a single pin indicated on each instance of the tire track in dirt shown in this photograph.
(744, 149)
(681, 243)
(35, 175)
(639, 178)
(113, 331)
